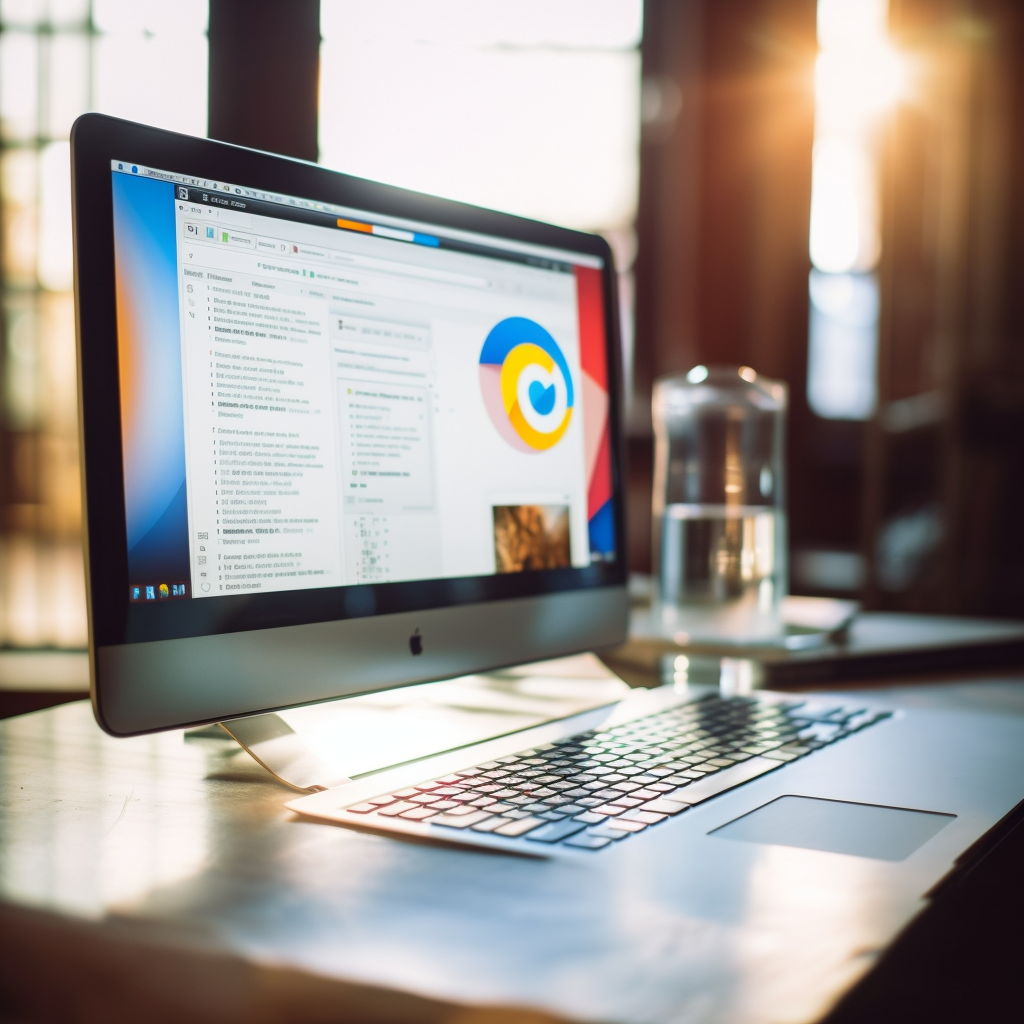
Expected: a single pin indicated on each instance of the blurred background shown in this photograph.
(825, 190)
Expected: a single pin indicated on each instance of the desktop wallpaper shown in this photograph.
(152, 418)
(597, 435)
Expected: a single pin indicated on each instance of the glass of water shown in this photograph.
(719, 505)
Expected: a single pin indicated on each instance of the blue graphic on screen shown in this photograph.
(149, 353)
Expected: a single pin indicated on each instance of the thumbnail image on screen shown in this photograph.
(528, 537)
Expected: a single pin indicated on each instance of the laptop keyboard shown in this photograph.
(599, 787)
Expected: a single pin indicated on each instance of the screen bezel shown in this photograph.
(95, 141)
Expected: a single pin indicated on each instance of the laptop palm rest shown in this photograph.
(835, 826)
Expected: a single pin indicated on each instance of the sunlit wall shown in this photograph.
(858, 77)
(144, 60)
(530, 106)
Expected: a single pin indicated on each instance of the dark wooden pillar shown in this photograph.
(725, 190)
(946, 452)
(264, 74)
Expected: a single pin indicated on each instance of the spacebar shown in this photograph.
(705, 789)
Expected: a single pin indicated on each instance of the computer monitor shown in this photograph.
(336, 436)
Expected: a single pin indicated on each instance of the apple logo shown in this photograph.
(416, 642)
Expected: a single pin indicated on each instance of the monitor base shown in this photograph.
(277, 748)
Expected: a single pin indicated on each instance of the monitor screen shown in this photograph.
(316, 396)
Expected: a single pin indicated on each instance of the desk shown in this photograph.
(135, 885)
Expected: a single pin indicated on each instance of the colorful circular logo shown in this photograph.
(526, 384)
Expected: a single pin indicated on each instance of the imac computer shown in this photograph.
(336, 436)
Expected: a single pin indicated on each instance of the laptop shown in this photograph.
(339, 437)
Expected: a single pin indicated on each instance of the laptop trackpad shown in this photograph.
(836, 826)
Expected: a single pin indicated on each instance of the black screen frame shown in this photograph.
(96, 140)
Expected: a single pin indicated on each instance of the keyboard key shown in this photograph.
(646, 817)
(665, 806)
(556, 831)
(381, 801)
(404, 794)
(645, 794)
(591, 817)
(489, 824)
(518, 828)
(779, 755)
(455, 810)
(424, 798)
(461, 820)
(449, 780)
(394, 810)
(418, 813)
(611, 810)
(625, 825)
(679, 780)
(604, 832)
(587, 842)
(426, 787)
(362, 808)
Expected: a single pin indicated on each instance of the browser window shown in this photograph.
(314, 396)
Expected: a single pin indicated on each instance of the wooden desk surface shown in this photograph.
(135, 883)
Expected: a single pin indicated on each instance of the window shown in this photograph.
(858, 76)
(531, 106)
(145, 61)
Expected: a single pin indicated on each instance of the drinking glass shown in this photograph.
(719, 505)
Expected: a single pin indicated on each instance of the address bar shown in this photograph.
(410, 270)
